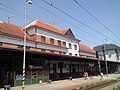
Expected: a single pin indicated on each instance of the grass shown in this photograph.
(118, 78)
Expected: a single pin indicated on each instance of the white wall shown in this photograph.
(51, 47)
(110, 55)
(16, 41)
(31, 32)
(56, 36)
(72, 50)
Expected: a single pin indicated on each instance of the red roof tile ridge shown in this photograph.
(85, 48)
(11, 29)
(2, 22)
(45, 25)
(65, 30)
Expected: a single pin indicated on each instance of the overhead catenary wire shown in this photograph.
(79, 21)
(13, 11)
(20, 14)
(96, 18)
(69, 22)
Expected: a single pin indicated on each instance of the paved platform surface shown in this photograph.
(66, 84)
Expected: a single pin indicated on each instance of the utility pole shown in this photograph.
(104, 55)
(99, 66)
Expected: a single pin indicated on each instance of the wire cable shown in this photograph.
(20, 14)
(68, 22)
(15, 11)
(12, 12)
(78, 20)
(96, 19)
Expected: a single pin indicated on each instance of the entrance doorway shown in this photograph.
(74, 71)
(55, 75)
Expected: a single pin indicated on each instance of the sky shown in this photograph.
(106, 11)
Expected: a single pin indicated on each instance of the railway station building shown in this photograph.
(51, 54)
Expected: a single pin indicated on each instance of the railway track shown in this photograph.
(102, 85)
(99, 85)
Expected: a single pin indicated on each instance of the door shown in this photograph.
(55, 75)
(74, 71)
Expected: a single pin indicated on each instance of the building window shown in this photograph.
(59, 43)
(70, 53)
(20, 46)
(60, 52)
(0, 43)
(70, 46)
(75, 54)
(27, 47)
(51, 51)
(51, 41)
(75, 47)
(109, 56)
(64, 52)
(43, 39)
(64, 44)
(43, 50)
(35, 45)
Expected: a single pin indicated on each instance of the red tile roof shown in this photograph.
(47, 26)
(64, 31)
(85, 48)
(14, 30)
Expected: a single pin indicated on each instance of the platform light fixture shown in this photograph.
(24, 55)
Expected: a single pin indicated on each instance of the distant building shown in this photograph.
(110, 51)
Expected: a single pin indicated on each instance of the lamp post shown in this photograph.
(25, 21)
